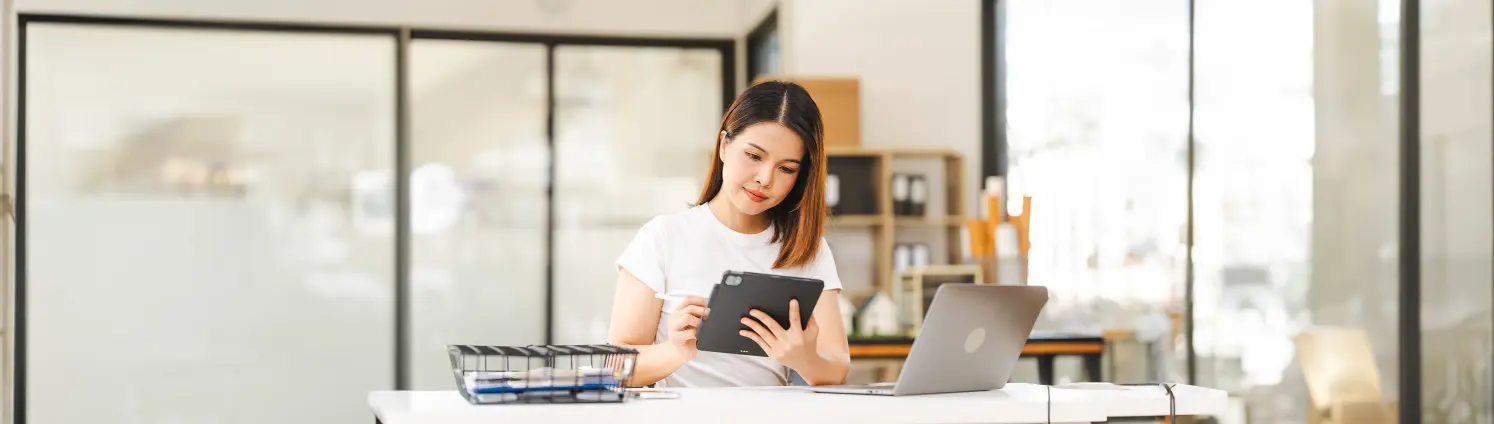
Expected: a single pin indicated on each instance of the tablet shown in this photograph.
(739, 293)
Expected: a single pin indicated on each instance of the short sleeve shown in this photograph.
(823, 267)
(645, 255)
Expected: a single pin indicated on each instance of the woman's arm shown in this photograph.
(831, 344)
(635, 319)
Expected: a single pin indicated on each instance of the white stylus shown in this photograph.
(662, 296)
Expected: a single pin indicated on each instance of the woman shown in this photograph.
(762, 210)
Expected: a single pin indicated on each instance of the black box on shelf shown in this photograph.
(918, 194)
(910, 194)
(855, 185)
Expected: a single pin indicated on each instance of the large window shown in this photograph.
(764, 48)
(211, 221)
(1296, 161)
(1294, 194)
(1096, 133)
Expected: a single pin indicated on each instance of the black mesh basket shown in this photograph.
(542, 374)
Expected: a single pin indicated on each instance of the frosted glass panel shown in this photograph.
(478, 205)
(1457, 213)
(1295, 211)
(634, 131)
(209, 225)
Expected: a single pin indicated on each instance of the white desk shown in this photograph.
(1015, 404)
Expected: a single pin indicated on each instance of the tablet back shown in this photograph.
(740, 292)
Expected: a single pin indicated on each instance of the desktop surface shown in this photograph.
(1015, 403)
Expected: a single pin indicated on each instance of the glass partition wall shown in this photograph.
(1336, 187)
(211, 225)
(1296, 273)
(1457, 203)
(634, 131)
(200, 234)
(478, 202)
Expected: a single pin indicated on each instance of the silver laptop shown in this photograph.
(971, 339)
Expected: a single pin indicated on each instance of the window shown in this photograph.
(762, 48)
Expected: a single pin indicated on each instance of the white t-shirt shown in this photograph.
(685, 253)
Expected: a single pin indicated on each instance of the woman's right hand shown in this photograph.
(683, 321)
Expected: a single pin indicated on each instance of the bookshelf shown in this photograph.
(866, 176)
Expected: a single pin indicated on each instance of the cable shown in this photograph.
(1172, 404)
(1172, 400)
(1050, 404)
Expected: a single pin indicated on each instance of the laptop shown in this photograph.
(970, 340)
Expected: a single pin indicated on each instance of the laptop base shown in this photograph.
(883, 389)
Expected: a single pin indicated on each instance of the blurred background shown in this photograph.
(236, 211)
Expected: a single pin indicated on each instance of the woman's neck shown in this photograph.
(735, 219)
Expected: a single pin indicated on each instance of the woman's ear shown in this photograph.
(721, 146)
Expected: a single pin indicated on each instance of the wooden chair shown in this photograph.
(1343, 381)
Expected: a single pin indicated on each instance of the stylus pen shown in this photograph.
(676, 298)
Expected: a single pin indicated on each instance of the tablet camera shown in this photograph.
(733, 281)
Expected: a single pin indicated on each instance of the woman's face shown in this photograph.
(760, 166)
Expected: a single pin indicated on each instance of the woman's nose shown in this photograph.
(765, 176)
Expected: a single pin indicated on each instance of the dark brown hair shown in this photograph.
(798, 221)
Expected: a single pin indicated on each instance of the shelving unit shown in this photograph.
(884, 224)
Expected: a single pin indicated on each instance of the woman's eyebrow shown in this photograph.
(765, 150)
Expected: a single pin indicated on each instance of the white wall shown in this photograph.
(753, 11)
(684, 18)
(919, 64)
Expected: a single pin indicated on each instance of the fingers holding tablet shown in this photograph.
(766, 301)
(793, 346)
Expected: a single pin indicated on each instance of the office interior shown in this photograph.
(227, 211)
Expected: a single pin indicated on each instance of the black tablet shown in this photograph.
(739, 293)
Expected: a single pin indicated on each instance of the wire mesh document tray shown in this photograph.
(542, 373)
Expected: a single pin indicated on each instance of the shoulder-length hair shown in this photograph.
(798, 221)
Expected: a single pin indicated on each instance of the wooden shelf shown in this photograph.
(901, 221)
(876, 165)
(855, 220)
(840, 151)
(933, 221)
(933, 153)
(843, 151)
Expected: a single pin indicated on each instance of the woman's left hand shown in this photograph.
(793, 347)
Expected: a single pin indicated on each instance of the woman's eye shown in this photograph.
(788, 170)
(754, 157)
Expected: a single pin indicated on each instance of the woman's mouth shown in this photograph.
(756, 196)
